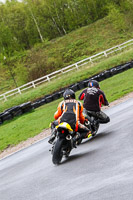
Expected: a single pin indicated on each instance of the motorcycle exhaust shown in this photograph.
(87, 123)
(68, 137)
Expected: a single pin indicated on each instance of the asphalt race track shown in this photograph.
(99, 169)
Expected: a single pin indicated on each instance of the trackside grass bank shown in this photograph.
(84, 72)
(60, 52)
(28, 125)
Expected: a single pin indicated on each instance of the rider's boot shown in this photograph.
(53, 135)
(76, 138)
(89, 134)
(94, 127)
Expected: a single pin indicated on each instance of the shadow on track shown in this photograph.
(99, 136)
(77, 156)
(89, 152)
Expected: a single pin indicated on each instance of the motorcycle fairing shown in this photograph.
(65, 125)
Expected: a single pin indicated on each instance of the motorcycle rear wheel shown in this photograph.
(58, 151)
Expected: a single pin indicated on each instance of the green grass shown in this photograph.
(28, 125)
(68, 79)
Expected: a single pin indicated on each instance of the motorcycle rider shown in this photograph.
(94, 98)
(71, 111)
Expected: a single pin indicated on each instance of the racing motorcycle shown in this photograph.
(63, 143)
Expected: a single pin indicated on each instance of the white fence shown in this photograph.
(35, 83)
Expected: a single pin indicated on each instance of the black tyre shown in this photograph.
(58, 151)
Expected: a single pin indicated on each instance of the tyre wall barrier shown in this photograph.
(55, 96)
(28, 106)
(74, 87)
(0, 121)
(15, 111)
(5, 116)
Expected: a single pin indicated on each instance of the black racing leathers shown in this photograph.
(93, 99)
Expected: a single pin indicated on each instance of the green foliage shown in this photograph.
(117, 18)
(30, 34)
(25, 23)
(20, 74)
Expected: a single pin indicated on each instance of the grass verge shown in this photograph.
(28, 125)
(67, 79)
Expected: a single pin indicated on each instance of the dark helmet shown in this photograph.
(93, 83)
(69, 94)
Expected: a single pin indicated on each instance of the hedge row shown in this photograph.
(26, 107)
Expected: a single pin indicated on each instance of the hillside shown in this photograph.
(60, 52)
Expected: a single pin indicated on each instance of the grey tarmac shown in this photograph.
(101, 168)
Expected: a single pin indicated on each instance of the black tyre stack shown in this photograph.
(28, 106)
